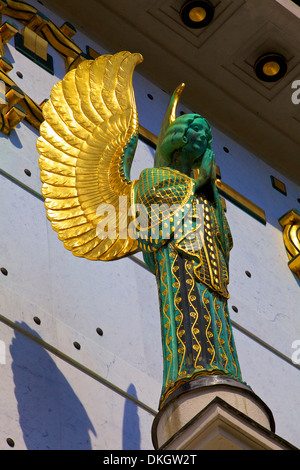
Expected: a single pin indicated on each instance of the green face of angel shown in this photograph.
(185, 143)
(197, 140)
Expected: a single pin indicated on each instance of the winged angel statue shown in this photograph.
(87, 143)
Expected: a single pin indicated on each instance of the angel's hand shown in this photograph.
(207, 170)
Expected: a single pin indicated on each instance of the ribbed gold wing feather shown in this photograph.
(86, 144)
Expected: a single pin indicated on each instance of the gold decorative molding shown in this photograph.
(7, 32)
(290, 222)
(68, 30)
(33, 112)
(34, 42)
(32, 19)
(12, 112)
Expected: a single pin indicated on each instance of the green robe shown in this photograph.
(186, 240)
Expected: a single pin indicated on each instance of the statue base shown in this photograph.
(215, 413)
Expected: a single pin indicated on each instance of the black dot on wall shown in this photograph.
(99, 331)
(19, 74)
(27, 172)
(150, 96)
(234, 308)
(248, 273)
(37, 320)
(4, 271)
(10, 442)
(226, 150)
(298, 200)
(76, 345)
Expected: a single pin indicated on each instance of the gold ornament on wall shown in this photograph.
(290, 223)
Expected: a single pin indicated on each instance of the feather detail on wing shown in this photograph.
(87, 143)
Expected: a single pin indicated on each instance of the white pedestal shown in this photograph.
(216, 413)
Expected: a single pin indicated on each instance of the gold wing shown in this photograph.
(86, 145)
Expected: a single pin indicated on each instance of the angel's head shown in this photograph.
(185, 142)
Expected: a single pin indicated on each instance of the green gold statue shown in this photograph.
(172, 213)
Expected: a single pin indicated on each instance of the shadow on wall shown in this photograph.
(13, 138)
(51, 416)
(131, 423)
